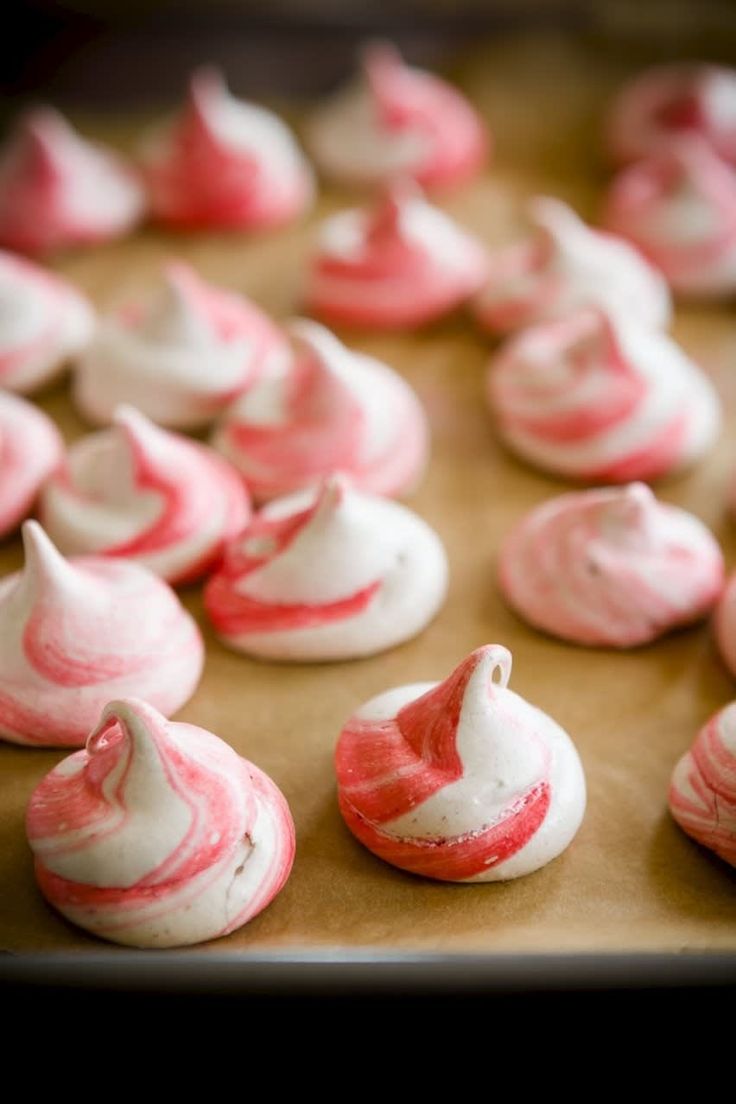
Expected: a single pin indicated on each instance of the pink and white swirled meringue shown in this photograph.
(44, 321)
(138, 491)
(225, 164)
(57, 190)
(182, 359)
(158, 834)
(461, 780)
(31, 449)
(327, 575)
(596, 398)
(679, 208)
(610, 567)
(395, 120)
(76, 633)
(329, 409)
(702, 796)
(565, 265)
(671, 101)
(396, 265)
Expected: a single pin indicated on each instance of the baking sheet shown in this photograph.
(630, 881)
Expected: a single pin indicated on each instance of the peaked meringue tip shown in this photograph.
(332, 491)
(492, 661)
(378, 56)
(136, 719)
(207, 82)
(43, 560)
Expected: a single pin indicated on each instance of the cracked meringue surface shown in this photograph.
(181, 358)
(461, 780)
(396, 120)
(678, 207)
(76, 633)
(610, 567)
(328, 575)
(31, 449)
(58, 190)
(329, 409)
(140, 492)
(702, 794)
(44, 321)
(564, 265)
(667, 102)
(398, 264)
(598, 398)
(224, 163)
(158, 834)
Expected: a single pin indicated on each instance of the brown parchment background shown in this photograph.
(631, 880)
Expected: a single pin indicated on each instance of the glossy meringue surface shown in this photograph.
(565, 265)
(140, 492)
(158, 834)
(76, 633)
(679, 208)
(667, 102)
(329, 409)
(328, 575)
(180, 357)
(58, 190)
(611, 567)
(44, 321)
(702, 796)
(31, 449)
(400, 263)
(397, 120)
(598, 398)
(461, 780)
(224, 163)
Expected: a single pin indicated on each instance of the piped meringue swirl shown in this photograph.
(398, 264)
(44, 321)
(702, 795)
(31, 449)
(611, 567)
(330, 409)
(180, 361)
(76, 633)
(326, 575)
(396, 120)
(225, 164)
(679, 208)
(596, 398)
(671, 101)
(138, 491)
(57, 190)
(158, 834)
(461, 780)
(565, 265)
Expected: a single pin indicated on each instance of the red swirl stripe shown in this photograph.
(702, 796)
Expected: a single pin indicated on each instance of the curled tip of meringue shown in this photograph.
(136, 720)
(206, 83)
(332, 492)
(491, 662)
(311, 337)
(379, 57)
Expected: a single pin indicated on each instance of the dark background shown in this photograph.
(112, 54)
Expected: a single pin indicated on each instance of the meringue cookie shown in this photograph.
(56, 189)
(702, 796)
(158, 834)
(668, 101)
(679, 208)
(611, 567)
(330, 409)
(462, 780)
(566, 265)
(400, 264)
(725, 624)
(136, 491)
(328, 574)
(595, 398)
(225, 164)
(180, 362)
(30, 449)
(76, 633)
(396, 120)
(44, 320)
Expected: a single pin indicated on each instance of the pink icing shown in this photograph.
(31, 449)
(702, 795)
